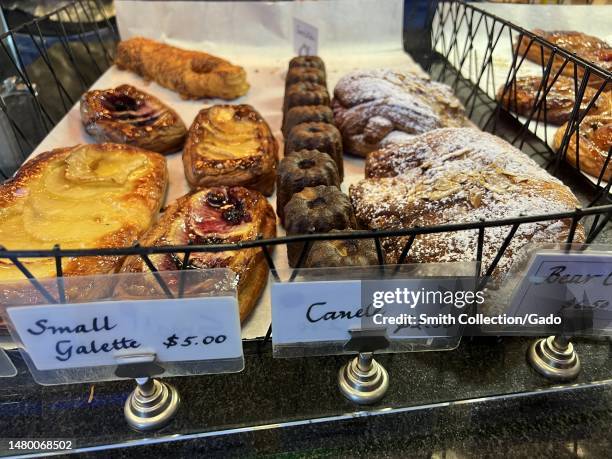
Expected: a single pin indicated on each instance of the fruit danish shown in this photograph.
(231, 145)
(87, 196)
(460, 175)
(193, 74)
(522, 97)
(127, 115)
(595, 141)
(217, 215)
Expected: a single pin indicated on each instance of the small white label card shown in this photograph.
(61, 336)
(326, 311)
(568, 284)
(305, 38)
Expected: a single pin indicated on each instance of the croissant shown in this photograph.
(193, 74)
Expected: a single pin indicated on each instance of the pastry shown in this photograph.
(127, 115)
(193, 74)
(316, 136)
(460, 175)
(307, 61)
(306, 114)
(342, 252)
(373, 108)
(595, 141)
(317, 209)
(231, 145)
(585, 46)
(301, 169)
(87, 196)
(305, 93)
(310, 74)
(522, 96)
(217, 215)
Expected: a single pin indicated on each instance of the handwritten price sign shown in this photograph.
(97, 334)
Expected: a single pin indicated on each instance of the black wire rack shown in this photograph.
(437, 58)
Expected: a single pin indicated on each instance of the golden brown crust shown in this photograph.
(128, 115)
(231, 145)
(560, 99)
(215, 215)
(595, 136)
(57, 194)
(585, 46)
(193, 74)
(459, 176)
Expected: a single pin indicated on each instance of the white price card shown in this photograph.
(305, 38)
(406, 309)
(560, 283)
(62, 336)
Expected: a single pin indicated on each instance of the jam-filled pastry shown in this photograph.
(193, 74)
(521, 97)
(87, 196)
(131, 116)
(216, 215)
(342, 252)
(590, 48)
(318, 209)
(307, 114)
(595, 141)
(231, 145)
(301, 169)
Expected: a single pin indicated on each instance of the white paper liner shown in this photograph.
(353, 35)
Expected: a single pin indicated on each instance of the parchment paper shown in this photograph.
(352, 34)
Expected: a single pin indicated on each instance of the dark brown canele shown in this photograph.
(306, 168)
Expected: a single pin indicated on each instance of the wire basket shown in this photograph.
(443, 56)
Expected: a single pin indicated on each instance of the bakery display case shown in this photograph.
(211, 162)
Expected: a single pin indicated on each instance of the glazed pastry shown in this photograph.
(87, 196)
(301, 169)
(317, 209)
(218, 215)
(316, 136)
(307, 61)
(231, 145)
(305, 93)
(595, 141)
(193, 74)
(127, 115)
(585, 46)
(307, 114)
(521, 98)
(374, 108)
(310, 74)
(460, 176)
(342, 252)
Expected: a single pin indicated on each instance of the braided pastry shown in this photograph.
(376, 107)
(193, 74)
